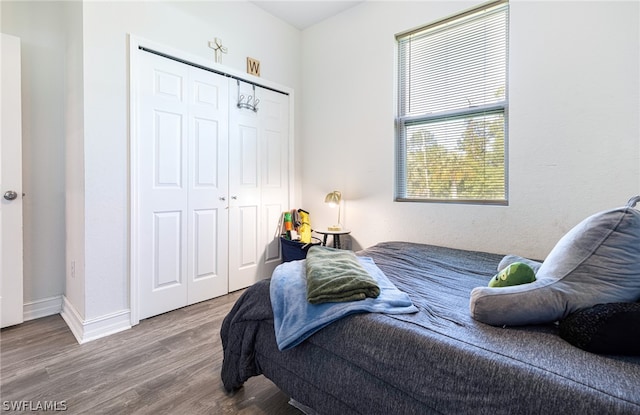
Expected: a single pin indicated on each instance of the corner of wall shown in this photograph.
(42, 308)
(93, 329)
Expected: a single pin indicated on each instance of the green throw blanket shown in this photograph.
(335, 275)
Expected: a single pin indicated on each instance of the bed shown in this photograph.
(438, 360)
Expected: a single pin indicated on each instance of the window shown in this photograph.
(452, 109)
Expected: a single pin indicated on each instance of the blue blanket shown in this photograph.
(295, 319)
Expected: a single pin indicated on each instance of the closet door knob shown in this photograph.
(222, 198)
(234, 197)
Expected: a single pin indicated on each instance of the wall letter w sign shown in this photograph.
(253, 66)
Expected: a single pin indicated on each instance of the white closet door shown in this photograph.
(208, 185)
(244, 191)
(258, 184)
(274, 128)
(182, 171)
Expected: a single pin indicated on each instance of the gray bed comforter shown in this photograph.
(438, 360)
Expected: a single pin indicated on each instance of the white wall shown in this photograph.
(574, 128)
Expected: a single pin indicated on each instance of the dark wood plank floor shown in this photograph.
(168, 364)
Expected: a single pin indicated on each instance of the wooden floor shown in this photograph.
(168, 364)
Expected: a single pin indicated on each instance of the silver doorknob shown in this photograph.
(222, 198)
(10, 195)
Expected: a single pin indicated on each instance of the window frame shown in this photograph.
(402, 121)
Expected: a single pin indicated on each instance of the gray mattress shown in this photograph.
(438, 360)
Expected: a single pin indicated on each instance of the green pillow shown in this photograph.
(515, 274)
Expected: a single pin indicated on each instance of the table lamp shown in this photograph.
(333, 199)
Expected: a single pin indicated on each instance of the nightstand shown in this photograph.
(336, 236)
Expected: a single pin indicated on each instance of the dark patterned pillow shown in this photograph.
(612, 328)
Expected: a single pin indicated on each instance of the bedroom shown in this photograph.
(574, 124)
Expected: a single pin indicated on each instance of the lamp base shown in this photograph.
(334, 228)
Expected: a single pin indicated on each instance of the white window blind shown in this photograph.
(452, 109)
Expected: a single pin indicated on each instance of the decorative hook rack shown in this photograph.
(251, 102)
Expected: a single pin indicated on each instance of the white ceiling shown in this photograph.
(304, 13)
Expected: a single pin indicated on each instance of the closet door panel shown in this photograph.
(274, 142)
(205, 256)
(167, 151)
(245, 212)
(206, 142)
(244, 256)
(208, 184)
(274, 186)
(167, 252)
(258, 177)
(248, 231)
(247, 156)
(162, 188)
(272, 214)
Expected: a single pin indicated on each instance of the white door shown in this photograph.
(208, 185)
(11, 297)
(182, 185)
(258, 184)
(274, 127)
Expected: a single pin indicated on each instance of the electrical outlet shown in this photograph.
(73, 269)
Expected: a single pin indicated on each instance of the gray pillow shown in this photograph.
(598, 261)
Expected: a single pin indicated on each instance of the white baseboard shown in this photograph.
(42, 308)
(92, 329)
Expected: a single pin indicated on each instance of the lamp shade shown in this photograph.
(333, 198)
